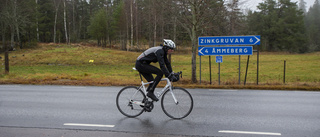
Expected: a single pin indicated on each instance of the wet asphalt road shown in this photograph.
(37, 111)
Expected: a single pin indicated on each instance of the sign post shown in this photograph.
(219, 60)
(205, 50)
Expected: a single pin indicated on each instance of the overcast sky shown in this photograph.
(252, 4)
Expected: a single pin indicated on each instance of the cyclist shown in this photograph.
(156, 54)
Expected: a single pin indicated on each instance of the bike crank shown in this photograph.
(148, 105)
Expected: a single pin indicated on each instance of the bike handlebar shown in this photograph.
(177, 75)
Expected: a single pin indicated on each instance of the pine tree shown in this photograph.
(302, 6)
(281, 26)
(313, 26)
(46, 20)
(98, 27)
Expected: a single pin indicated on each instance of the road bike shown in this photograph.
(176, 102)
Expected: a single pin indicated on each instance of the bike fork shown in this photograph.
(173, 96)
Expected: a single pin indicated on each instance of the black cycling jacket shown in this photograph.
(156, 54)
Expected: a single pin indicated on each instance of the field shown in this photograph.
(86, 65)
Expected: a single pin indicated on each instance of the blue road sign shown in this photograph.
(218, 59)
(229, 40)
(234, 50)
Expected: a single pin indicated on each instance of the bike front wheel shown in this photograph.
(180, 109)
(125, 99)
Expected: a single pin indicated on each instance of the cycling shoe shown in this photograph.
(152, 96)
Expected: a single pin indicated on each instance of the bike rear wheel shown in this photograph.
(178, 110)
(125, 99)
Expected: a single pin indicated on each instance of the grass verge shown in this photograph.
(86, 65)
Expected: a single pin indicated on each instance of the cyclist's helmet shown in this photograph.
(167, 43)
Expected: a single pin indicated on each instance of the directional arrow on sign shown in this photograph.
(258, 40)
(200, 51)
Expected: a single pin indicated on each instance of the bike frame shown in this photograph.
(132, 101)
(159, 93)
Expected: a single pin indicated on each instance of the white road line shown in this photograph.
(249, 132)
(87, 125)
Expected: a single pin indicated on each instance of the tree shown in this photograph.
(131, 22)
(119, 23)
(65, 21)
(14, 18)
(302, 6)
(18, 16)
(38, 36)
(4, 21)
(313, 27)
(84, 19)
(56, 6)
(45, 20)
(234, 17)
(193, 16)
(281, 25)
(98, 27)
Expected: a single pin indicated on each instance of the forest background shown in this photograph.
(134, 25)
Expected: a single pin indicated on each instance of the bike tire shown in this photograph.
(124, 104)
(178, 110)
